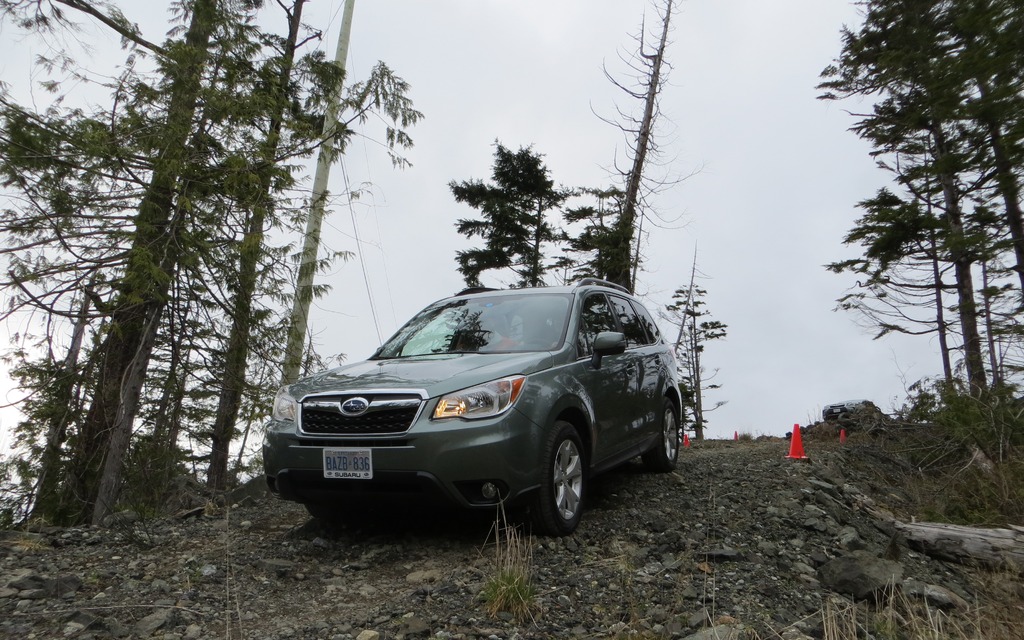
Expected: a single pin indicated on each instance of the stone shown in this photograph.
(280, 568)
(826, 487)
(802, 568)
(722, 632)
(427, 575)
(850, 540)
(85, 620)
(816, 524)
(860, 574)
(121, 519)
(818, 558)
(723, 555)
(248, 492)
(64, 585)
(699, 619)
(935, 595)
(26, 580)
(157, 620)
(413, 627)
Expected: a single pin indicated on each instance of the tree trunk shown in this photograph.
(121, 426)
(167, 418)
(620, 264)
(237, 353)
(1008, 185)
(698, 391)
(940, 316)
(997, 548)
(962, 263)
(47, 495)
(990, 328)
(535, 258)
(142, 292)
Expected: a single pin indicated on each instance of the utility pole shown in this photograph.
(311, 245)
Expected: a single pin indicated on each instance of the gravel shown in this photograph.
(739, 542)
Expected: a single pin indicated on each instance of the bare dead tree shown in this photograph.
(650, 71)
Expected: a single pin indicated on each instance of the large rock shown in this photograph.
(252, 490)
(860, 574)
(27, 581)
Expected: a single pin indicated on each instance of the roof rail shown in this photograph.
(469, 290)
(603, 283)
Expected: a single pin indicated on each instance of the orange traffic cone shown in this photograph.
(736, 436)
(796, 447)
(686, 440)
(842, 436)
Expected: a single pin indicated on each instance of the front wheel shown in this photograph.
(558, 504)
(663, 455)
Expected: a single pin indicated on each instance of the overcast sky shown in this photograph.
(776, 176)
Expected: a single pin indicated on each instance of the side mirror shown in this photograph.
(607, 343)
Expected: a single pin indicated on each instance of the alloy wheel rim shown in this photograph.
(670, 434)
(568, 479)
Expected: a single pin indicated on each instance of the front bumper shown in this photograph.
(445, 461)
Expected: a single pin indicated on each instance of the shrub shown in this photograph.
(975, 444)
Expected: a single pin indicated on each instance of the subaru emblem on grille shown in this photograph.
(355, 406)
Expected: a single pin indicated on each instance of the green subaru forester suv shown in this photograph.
(517, 396)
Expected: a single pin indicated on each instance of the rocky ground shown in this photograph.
(740, 542)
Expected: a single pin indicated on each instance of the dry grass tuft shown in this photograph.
(901, 619)
(27, 543)
(510, 589)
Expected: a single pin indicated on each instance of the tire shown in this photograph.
(662, 457)
(558, 504)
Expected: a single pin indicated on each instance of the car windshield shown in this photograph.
(492, 324)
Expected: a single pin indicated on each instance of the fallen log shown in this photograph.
(993, 548)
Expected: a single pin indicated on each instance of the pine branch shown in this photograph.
(116, 22)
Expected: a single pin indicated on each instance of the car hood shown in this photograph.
(435, 374)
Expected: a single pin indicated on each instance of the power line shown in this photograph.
(359, 253)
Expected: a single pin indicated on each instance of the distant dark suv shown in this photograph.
(517, 395)
(848, 409)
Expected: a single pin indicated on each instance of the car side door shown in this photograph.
(611, 387)
(645, 369)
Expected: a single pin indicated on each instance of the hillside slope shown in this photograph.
(739, 542)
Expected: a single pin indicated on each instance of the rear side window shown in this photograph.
(630, 322)
(595, 317)
(648, 322)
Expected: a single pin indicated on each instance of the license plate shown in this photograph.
(348, 463)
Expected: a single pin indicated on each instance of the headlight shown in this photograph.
(285, 406)
(482, 401)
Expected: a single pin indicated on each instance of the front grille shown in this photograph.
(386, 414)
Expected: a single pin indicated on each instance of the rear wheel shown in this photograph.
(558, 504)
(663, 455)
